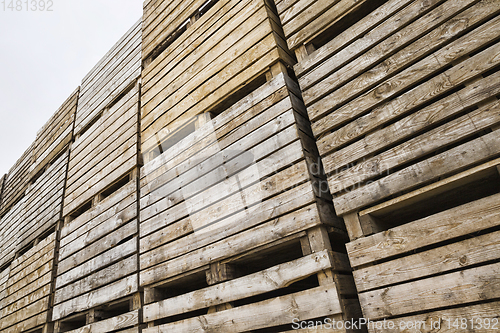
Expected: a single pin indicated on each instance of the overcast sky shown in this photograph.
(43, 58)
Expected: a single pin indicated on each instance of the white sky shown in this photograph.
(43, 58)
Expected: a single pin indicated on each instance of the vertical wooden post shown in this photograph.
(220, 273)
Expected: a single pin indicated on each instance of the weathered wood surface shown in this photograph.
(460, 221)
(255, 284)
(105, 82)
(11, 223)
(313, 303)
(111, 324)
(213, 190)
(467, 286)
(206, 64)
(55, 134)
(478, 314)
(41, 215)
(17, 180)
(27, 289)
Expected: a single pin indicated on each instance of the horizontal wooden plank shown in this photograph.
(109, 257)
(469, 252)
(27, 312)
(97, 279)
(98, 213)
(111, 324)
(478, 318)
(25, 325)
(96, 297)
(94, 249)
(266, 233)
(313, 303)
(456, 222)
(379, 96)
(226, 212)
(274, 278)
(467, 286)
(25, 301)
(442, 136)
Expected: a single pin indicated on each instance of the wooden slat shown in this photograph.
(245, 241)
(471, 285)
(313, 303)
(463, 220)
(107, 258)
(96, 297)
(478, 314)
(255, 284)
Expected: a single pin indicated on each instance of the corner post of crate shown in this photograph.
(219, 273)
(275, 70)
(317, 240)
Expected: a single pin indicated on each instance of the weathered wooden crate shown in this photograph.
(16, 181)
(204, 63)
(309, 24)
(97, 273)
(27, 287)
(55, 135)
(239, 202)
(10, 225)
(106, 128)
(404, 111)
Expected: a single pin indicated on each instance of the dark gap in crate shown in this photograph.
(25, 249)
(91, 123)
(180, 30)
(302, 285)
(254, 262)
(114, 310)
(337, 246)
(345, 23)
(47, 233)
(126, 239)
(189, 127)
(38, 175)
(436, 203)
(116, 187)
(72, 323)
(182, 285)
(81, 210)
(121, 95)
(40, 330)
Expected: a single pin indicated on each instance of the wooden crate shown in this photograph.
(98, 270)
(27, 288)
(10, 225)
(404, 111)
(106, 129)
(233, 43)
(55, 135)
(243, 190)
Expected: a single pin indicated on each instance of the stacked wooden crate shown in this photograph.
(27, 287)
(234, 226)
(97, 274)
(13, 195)
(402, 100)
(31, 226)
(196, 58)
